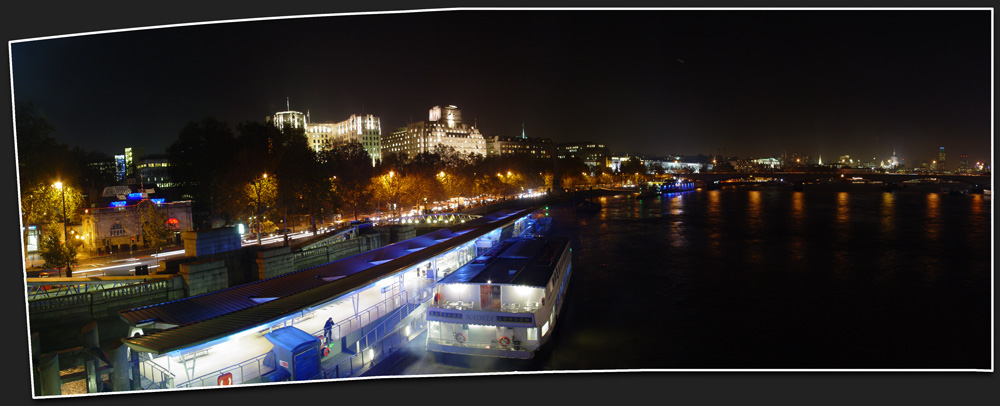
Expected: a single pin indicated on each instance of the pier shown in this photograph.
(376, 301)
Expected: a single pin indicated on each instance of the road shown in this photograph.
(100, 265)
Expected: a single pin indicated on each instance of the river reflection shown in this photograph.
(771, 278)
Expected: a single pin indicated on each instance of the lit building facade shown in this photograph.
(499, 145)
(132, 157)
(675, 164)
(290, 119)
(105, 169)
(155, 169)
(592, 154)
(119, 226)
(365, 129)
(443, 127)
(940, 165)
(120, 167)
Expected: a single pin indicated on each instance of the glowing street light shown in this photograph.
(59, 185)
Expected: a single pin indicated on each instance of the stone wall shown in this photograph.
(208, 242)
(280, 260)
(274, 262)
(397, 232)
(318, 256)
(205, 276)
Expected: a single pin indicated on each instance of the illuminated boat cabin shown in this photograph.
(504, 303)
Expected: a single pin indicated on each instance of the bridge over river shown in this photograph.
(975, 182)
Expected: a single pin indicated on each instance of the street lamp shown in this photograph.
(59, 185)
(257, 191)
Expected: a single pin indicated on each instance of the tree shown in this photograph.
(199, 159)
(153, 224)
(418, 188)
(633, 168)
(42, 203)
(387, 188)
(301, 187)
(349, 165)
(55, 253)
(261, 192)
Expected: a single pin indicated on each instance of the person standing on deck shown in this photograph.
(328, 330)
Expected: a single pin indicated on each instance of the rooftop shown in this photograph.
(214, 315)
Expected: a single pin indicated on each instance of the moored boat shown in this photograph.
(506, 302)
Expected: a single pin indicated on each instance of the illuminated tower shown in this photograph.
(940, 160)
(291, 119)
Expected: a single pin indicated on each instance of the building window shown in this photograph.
(117, 230)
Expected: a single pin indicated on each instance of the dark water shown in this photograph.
(771, 278)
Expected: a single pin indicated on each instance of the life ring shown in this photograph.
(326, 352)
(460, 337)
(504, 341)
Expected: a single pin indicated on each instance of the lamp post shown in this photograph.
(59, 185)
(258, 186)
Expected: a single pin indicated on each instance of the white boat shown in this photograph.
(506, 302)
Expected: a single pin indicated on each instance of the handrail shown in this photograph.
(159, 368)
(405, 305)
(232, 367)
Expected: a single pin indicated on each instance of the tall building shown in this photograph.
(103, 170)
(291, 119)
(120, 168)
(365, 129)
(154, 170)
(592, 154)
(941, 161)
(499, 145)
(893, 160)
(443, 127)
(132, 157)
(963, 163)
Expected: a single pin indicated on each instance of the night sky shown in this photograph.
(751, 83)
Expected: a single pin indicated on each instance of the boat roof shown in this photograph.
(525, 261)
(210, 316)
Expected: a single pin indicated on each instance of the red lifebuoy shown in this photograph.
(504, 341)
(460, 337)
(326, 351)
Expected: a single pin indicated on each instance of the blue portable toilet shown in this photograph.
(295, 355)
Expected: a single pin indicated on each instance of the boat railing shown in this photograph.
(526, 308)
(492, 345)
(153, 375)
(390, 331)
(244, 372)
(250, 370)
(352, 323)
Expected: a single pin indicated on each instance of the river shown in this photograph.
(770, 278)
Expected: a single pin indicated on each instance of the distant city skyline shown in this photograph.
(662, 82)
